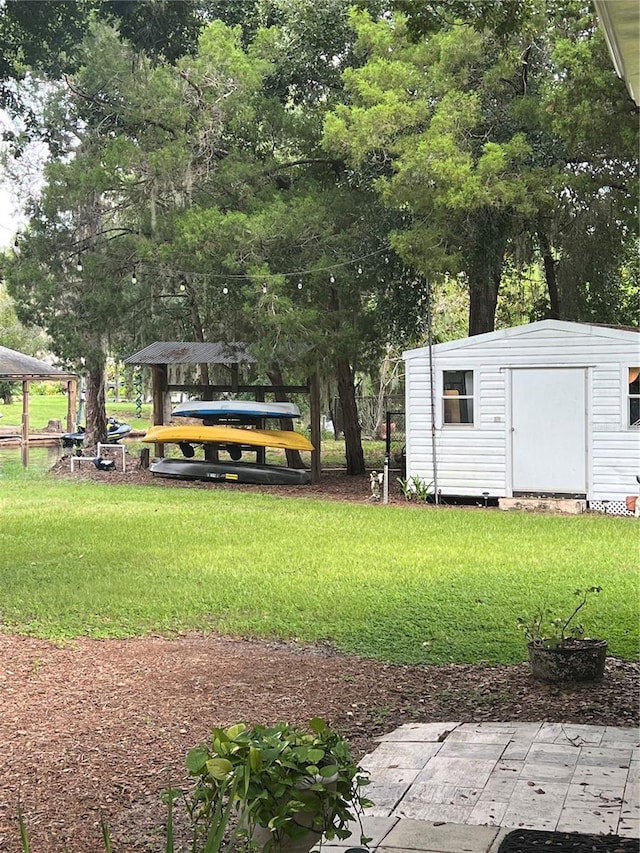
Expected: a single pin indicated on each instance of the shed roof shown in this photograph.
(620, 333)
(16, 366)
(620, 21)
(192, 352)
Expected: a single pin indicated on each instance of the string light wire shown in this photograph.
(248, 276)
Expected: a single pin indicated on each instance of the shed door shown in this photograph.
(549, 436)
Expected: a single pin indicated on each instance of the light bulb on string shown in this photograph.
(134, 278)
(359, 270)
(332, 279)
(79, 264)
(182, 288)
(225, 290)
(264, 288)
(299, 285)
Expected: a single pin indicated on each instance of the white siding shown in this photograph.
(475, 459)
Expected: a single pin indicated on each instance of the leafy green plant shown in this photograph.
(545, 629)
(291, 782)
(415, 488)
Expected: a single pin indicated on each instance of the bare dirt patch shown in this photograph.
(333, 484)
(99, 728)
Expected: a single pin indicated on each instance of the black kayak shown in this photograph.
(231, 472)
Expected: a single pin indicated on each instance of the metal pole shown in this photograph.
(387, 453)
(432, 395)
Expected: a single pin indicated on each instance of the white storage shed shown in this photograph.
(548, 409)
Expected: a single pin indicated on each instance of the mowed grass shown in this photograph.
(413, 585)
(46, 407)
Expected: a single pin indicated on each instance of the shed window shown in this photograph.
(457, 396)
(633, 404)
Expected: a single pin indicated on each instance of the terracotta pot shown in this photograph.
(573, 660)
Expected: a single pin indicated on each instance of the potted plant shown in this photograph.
(287, 786)
(558, 649)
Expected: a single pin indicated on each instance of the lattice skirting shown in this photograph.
(610, 507)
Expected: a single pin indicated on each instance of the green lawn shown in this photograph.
(46, 407)
(401, 584)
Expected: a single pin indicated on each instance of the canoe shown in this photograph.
(234, 409)
(226, 435)
(230, 472)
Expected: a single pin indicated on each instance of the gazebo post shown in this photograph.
(316, 435)
(25, 423)
(159, 388)
(72, 404)
(261, 453)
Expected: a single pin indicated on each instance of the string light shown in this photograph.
(264, 288)
(79, 264)
(225, 290)
(134, 279)
(332, 279)
(353, 263)
(299, 285)
(359, 270)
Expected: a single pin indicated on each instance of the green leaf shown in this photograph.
(318, 725)
(255, 759)
(233, 731)
(219, 768)
(315, 755)
(196, 760)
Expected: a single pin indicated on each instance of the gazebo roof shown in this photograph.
(15, 367)
(192, 352)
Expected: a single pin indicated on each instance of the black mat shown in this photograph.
(536, 841)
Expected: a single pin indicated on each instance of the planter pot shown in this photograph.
(279, 842)
(270, 842)
(574, 660)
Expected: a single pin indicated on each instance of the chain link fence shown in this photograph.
(381, 421)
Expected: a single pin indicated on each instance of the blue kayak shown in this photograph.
(234, 409)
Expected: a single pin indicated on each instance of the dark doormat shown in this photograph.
(537, 841)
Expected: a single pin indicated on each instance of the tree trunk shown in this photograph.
(96, 423)
(198, 334)
(484, 256)
(352, 433)
(388, 374)
(294, 460)
(550, 274)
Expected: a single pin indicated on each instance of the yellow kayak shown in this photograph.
(286, 439)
